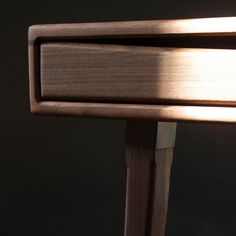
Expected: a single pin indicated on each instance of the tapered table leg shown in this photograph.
(149, 152)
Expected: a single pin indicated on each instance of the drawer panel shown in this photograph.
(137, 74)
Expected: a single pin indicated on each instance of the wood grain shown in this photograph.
(223, 26)
(138, 191)
(129, 74)
(162, 174)
(200, 81)
(136, 111)
(140, 155)
(148, 177)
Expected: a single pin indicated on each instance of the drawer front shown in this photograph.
(137, 74)
(169, 70)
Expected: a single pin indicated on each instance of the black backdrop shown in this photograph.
(66, 176)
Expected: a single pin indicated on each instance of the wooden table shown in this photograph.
(152, 73)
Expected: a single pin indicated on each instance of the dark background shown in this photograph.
(66, 176)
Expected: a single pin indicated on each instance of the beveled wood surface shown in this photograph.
(112, 73)
(162, 174)
(201, 26)
(140, 165)
(200, 82)
(148, 178)
(133, 111)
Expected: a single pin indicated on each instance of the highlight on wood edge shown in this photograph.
(220, 27)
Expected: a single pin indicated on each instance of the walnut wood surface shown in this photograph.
(162, 174)
(111, 73)
(203, 26)
(139, 174)
(188, 84)
(148, 177)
